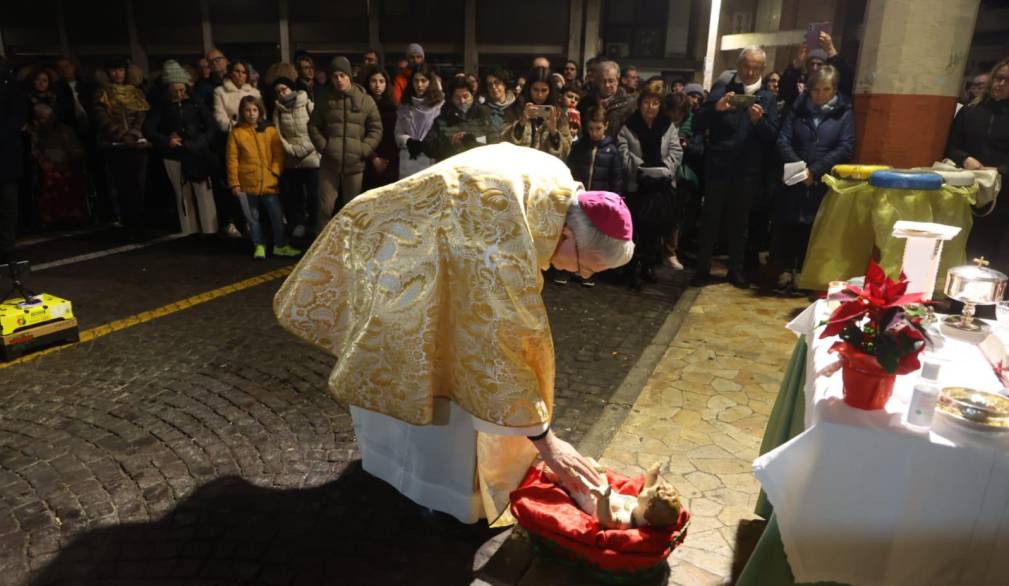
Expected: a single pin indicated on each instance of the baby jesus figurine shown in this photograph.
(658, 503)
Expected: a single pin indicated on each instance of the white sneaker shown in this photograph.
(232, 232)
(299, 231)
(673, 263)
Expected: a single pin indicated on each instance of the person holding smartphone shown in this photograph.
(739, 140)
(539, 117)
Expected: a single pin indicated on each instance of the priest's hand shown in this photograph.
(566, 462)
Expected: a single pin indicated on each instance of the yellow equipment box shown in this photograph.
(17, 314)
(25, 326)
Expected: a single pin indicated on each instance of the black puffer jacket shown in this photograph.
(476, 123)
(597, 165)
(982, 131)
(192, 121)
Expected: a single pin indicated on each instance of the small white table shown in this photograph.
(860, 498)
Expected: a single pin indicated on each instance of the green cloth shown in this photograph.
(768, 565)
(787, 418)
(855, 217)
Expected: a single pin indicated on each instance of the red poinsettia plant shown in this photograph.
(880, 319)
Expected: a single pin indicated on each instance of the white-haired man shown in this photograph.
(606, 92)
(741, 120)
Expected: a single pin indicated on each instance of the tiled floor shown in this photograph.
(702, 415)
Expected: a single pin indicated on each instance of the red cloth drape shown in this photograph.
(545, 510)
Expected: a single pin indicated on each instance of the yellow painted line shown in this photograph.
(146, 316)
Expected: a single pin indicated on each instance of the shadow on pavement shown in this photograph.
(747, 535)
(354, 530)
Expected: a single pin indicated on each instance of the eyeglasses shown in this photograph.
(218, 58)
(1000, 79)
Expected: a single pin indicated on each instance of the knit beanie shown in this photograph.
(341, 63)
(817, 54)
(286, 81)
(172, 72)
(415, 49)
(693, 88)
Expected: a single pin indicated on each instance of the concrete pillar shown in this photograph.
(62, 20)
(285, 30)
(575, 20)
(912, 60)
(137, 53)
(374, 37)
(208, 36)
(593, 17)
(712, 50)
(470, 56)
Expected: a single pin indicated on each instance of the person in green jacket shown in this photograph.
(462, 124)
(345, 127)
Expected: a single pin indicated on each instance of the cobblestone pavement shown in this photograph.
(201, 447)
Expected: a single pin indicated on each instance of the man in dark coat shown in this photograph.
(346, 128)
(807, 62)
(739, 138)
(13, 117)
(606, 92)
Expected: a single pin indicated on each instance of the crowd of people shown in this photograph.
(289, 148)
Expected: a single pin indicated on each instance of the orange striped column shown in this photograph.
(910, 68)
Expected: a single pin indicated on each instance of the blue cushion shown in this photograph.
(906, 180)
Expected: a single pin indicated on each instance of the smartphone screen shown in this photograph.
(813, 34)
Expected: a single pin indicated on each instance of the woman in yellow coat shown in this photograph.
(428, 293)
(255, 159)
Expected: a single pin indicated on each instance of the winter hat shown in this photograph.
(816, 54)
(286, 81)
(341, 63)
(415, 49)
(608, 213)
(172, 72)
(693, 88)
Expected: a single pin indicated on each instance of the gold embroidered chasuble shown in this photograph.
(430, 287)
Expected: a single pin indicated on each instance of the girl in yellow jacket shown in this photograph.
(255, 159)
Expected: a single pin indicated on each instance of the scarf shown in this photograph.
(821, 112)
(289, 100)
(124, 96)
(753, 87)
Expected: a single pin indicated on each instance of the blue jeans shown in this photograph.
(272, 205)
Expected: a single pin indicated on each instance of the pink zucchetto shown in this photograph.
(608, 213)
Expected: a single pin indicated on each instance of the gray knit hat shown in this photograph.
(415, 49)
(816, 54)
(693, 88)
(341, 63)
(172, 72)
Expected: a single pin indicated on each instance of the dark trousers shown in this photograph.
(128, 168)
(8, 220)
(727, 199)
(788, 245)
(299, 192)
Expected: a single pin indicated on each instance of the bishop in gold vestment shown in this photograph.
(429, 289)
